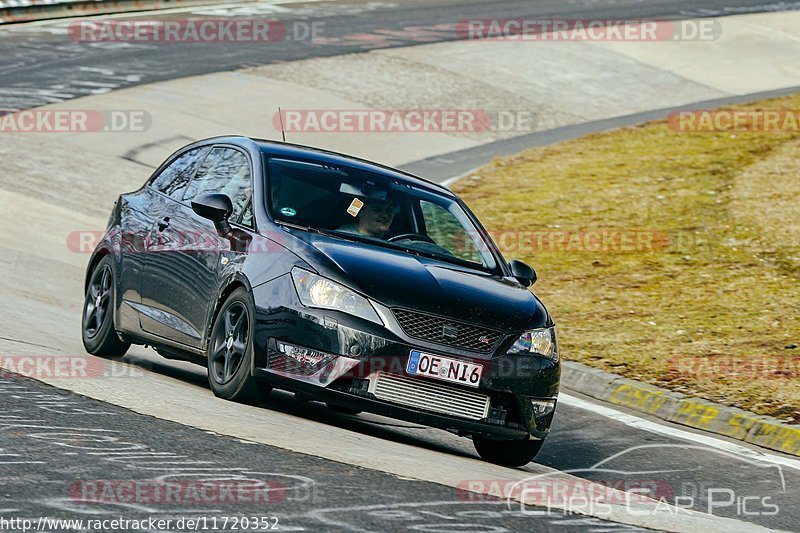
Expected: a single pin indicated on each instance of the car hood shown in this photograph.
(398, 279)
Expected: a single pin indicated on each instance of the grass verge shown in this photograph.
(667, 256)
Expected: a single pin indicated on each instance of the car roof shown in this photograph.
(320, 155)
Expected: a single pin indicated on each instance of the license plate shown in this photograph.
(444, 368)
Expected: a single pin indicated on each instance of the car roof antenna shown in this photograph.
(280, 117)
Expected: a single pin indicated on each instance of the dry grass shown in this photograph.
(710, 299)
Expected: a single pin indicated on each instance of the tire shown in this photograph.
(342, 409)
(230, 351)
(97, 319)
(512, 453)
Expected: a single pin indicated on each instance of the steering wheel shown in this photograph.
(411, 237)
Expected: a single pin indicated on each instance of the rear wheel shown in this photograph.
(507, 452)
(230, 351)
(97, 321)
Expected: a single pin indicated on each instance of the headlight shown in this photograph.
(316, 291)
(538, 341)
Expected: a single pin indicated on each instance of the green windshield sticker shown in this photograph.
(288, 211)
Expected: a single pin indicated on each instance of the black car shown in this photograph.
(284, 266)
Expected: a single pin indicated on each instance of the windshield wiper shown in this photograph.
(306, 228)
(452, 259)
(356, 237)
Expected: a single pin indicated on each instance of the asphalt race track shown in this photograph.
(147, 418)
(58, 447)
(38, 67)
(107, 444)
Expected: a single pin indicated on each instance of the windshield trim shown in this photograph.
(501, 263)
(498, 268)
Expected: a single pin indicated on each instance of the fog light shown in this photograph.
(304, 356)
(355, 349)
(542, 408)
(542, 416)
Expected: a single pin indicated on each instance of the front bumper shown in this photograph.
(341, 357)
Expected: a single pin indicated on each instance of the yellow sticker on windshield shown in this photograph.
(355, 207)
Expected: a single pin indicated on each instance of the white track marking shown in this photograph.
(654, 427)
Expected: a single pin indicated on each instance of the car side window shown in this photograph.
(227, 171)
(446, 231)
(174, 179)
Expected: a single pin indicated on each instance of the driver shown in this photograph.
(374, 219)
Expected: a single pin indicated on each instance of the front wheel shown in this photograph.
(97, 322)
(230, 351)
(512, 453)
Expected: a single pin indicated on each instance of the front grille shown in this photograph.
(429, 396)
(445, 331)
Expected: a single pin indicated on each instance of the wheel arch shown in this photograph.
(93, 262)
(236, 282)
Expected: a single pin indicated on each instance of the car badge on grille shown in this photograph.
(484, 340)
(450, 331)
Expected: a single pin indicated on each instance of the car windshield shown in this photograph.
(359, 205)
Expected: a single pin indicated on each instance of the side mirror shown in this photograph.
(215, 207)
(524, 273)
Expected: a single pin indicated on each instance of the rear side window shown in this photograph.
(174, 179)
(226, 171)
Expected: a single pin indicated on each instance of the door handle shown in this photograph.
(163, 224)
